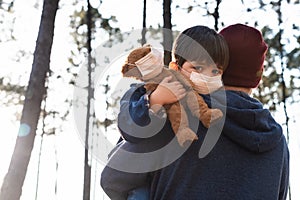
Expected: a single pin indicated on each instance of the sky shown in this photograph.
(67, 148)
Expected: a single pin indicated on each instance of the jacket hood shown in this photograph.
(248, 124)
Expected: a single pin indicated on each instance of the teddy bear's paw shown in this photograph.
(211, 116)
(185, 135)
(216, 114)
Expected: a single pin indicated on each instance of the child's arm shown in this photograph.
(135, 121)
(134, 114)
(166, 93)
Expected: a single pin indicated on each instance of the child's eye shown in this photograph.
(198, 68)
(216, 71)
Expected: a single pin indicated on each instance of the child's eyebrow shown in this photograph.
(198, 63)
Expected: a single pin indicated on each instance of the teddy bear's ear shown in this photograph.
(147, 45)
(125, 68)
(129, 70)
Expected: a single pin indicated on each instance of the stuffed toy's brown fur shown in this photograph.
(176, 111)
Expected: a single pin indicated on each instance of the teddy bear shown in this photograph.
(146, 64)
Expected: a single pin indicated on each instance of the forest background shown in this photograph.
(60, 81)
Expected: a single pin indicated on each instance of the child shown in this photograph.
(200, 55)
(146, 63)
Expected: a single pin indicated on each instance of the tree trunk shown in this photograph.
(167, 31)
(216, 14)
(87, 166)
(14, 179)
(143, 41)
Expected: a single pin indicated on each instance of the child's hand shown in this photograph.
(167, 92)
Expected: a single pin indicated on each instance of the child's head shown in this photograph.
(200, 44)
(247, 51)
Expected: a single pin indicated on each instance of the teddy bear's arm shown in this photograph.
(187, 84)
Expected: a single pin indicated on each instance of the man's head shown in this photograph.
(247, 51)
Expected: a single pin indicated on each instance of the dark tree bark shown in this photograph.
(87, 166)
(216, 15)
(167, 31)
(143, 41)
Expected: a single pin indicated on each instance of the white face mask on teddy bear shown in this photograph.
(151, 65)
(206, 84)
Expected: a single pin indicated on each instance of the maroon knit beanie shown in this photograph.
(247, 51)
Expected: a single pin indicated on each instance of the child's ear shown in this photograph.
(174, 66)
(221, 71)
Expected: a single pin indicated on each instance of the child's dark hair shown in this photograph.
(201, 44)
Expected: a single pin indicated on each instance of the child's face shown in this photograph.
(208, 70)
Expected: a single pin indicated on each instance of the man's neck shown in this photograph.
(239, 89)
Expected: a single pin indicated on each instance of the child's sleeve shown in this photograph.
(144, 132)
(135, 121)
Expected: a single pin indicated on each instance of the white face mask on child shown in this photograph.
(206, 84)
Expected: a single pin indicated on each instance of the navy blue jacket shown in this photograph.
(249, 158)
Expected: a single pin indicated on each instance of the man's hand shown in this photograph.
(167, 92)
